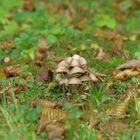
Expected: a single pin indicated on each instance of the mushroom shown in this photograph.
(63, 64)
(76, 70)
(93, 77)
(74, 63)
(73, 74)
(74, 81)
(76, 57)
(64, 81)
(62, 70)
(68, 60)
(85, 78)
(82, 61)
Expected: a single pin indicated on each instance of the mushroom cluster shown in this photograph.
(73, 73)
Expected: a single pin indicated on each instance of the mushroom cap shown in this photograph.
(93, 77)
(76, 57)
(74, 63)
(68, 60)
(62, 70)
(82, 61)
(74, 81)
(63, 64)
(64, 81)
(85, 78)
(76, 69)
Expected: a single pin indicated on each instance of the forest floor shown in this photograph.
(35, 36)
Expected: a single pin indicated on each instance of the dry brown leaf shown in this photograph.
(126, 74)
(41, 54)
(3, 75)
(115, 37)
(80, 24)
(61, 9)
(50, 115)
(45, 76)
(12, 71)
(122, 108)
(101, 55)
(129, 64)
(111, 127)
(56, 131)
(7, 45)
(46, 103)
(29, 5)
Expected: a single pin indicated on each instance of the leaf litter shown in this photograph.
(53, 115)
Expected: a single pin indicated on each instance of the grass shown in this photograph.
(58, 22)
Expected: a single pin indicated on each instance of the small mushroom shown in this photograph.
(62, 70)
(82, 61)
(64, 82)
(68, 60)
(85, 78)
(74, 81)
(74, 63)
(76, 70)
(93, 77)
(63, 64)
(76, 57)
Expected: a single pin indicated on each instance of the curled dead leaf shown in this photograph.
(7, 45)
(126, 74)
(130, 64)
(46, 103)
(50, 115)
(12, 71)
(45, 76)
(29, 5)
(41, 54)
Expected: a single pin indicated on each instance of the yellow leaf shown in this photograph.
(2, 75)
(94, 46)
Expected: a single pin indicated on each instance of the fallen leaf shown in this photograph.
(80, 24)
(56, 130)
(126, 74)
(41, 54)
(130, 64)
(45, 76)
(101, 55)
(12, 71)
(49, 115)
(3, 75)
(29, 5)
(7, 45)
(46, 103)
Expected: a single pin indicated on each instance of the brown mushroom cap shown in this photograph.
(74, 81)
(76, 69)
(85, 78)
(74, 63)
(82, 61)
(76, 57)
(93, 77)
(68, 60)
(64, 82)
(63, 64)
(62, 70)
